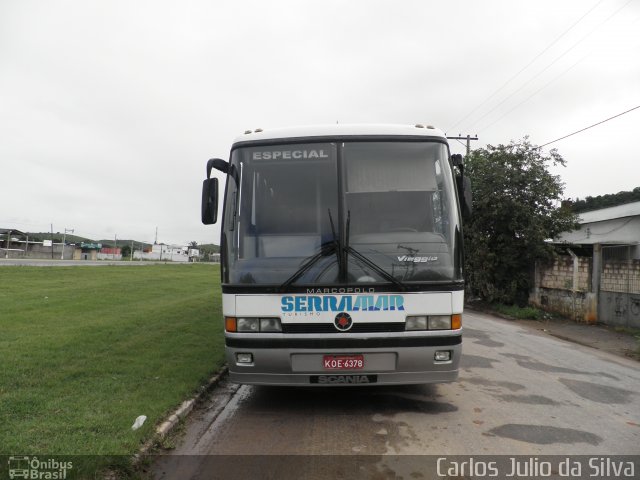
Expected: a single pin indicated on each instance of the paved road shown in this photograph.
(519, 393)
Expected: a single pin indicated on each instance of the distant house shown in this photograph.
(109, 253)
(597, 278)
(168, 253)
(608, 226)
(16, 244)
(12, 242)
(87, 251)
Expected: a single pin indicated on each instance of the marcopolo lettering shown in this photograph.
(342, 303)
(289, 154)
(341, 290)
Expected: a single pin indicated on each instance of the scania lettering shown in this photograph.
(341, 251)
(343, 379)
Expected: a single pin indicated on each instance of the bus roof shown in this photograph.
(339, 130)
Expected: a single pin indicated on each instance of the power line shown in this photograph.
(590, 126)
(525, 67)
(550, 65)
(468, 138)
(461, 143)
(533, 94)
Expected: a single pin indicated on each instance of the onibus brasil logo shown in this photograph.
(34, 468)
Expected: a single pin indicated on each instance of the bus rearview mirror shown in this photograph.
(209, 208)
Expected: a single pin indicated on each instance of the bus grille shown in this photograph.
(330, 328)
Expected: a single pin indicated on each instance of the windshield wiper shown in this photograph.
(328, 248)
(325, 249)
(342, 274)
(381, 271)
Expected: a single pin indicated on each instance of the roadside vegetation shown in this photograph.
(520, 313)
(516, 208)
(635, 332)
(86, 350)
(511, 311)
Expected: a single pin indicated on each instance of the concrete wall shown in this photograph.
(619, 299)
(565, 288)
(560, 274)
(37, 250)
(108, 256)
(156, 256)
(620, 276)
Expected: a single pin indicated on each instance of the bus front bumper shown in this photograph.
(302, 362)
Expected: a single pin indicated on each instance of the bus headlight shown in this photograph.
(416, 323)
(270, 325)
(439, 322)
(433, 322)
(250, 325)
(255, 325)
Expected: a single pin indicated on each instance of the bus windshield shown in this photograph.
(341, 213)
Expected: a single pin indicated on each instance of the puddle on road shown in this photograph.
(532, 364)
(482, 338)
(597, 392)
(528, 399)
(476, 361)
(544, 434)
(514, 387)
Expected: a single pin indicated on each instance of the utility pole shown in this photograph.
(64, 237)
(6, 250)
(52, 241)
(468, 138)
(131, 257)
(115, 245)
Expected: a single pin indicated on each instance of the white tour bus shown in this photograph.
(341, 255)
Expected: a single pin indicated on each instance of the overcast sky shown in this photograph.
(109, 110)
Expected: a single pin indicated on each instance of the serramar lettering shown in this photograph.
(341, 303)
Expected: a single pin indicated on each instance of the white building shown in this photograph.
(599, 279)
(169, 253)
(608, 226)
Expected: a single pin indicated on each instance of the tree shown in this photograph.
(516, 208)
(605, 201)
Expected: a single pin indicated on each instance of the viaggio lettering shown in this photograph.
(289, 154)
(408, 258)
(343, 303)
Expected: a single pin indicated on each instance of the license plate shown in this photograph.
(343, 362)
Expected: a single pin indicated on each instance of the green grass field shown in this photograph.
(85, 350)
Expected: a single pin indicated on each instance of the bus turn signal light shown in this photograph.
(230, 324)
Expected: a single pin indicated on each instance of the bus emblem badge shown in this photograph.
(343, 321)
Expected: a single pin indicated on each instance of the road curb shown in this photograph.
(180, 413)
